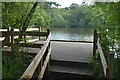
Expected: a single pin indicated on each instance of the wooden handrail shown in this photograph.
(97, 46)
(34, 64)
(15, 29)
(107, 67)
(27, 33)
(102, 58)
(26, 45)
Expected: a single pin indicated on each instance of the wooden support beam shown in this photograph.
(25, 38)
(73, 41)
(26, 45)
(110, 65)
(31, 45)
(48, 31)
(45, 65)
(8, 38)
(95, 43)
(39, 31)
(33, 33)
(12, 39)
(40, 66)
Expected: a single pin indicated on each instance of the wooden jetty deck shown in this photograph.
(60, 59)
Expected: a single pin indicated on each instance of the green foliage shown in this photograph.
(14, 13)
(74, 16)
(106, 18)
(56, 18)
(109, 29)
(96, 66)
(41, 17)
(106, 12)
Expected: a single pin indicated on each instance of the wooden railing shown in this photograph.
(38, 62)
(12, 34)
(41, 61)
(107, 65)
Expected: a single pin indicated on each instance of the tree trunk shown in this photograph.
(28, 18)
(26, 22)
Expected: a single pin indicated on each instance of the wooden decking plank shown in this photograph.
(71, 51)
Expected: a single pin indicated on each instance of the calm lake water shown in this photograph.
(72, 34)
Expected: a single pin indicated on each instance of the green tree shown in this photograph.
(14, 13)
(106, 16)
(22, 15)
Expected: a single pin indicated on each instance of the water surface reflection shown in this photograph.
(73, 34)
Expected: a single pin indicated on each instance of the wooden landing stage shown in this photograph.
(67, 59)
(72, 51)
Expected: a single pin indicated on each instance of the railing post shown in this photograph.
(12, 39)
(48, 31)
(39, 66)
(25, 38)
(48, 68)
(48, 65)
(49, 47)
(39, 31)
(110, 66)
(95, 43)
(8, 38)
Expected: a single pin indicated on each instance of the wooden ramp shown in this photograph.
(70, 60)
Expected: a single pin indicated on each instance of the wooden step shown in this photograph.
(63, 70)
(70, 63)
(69, 72)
